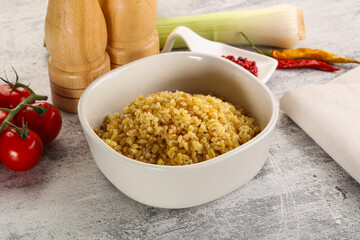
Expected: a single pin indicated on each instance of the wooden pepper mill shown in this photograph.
(76, 38)
(131, 29)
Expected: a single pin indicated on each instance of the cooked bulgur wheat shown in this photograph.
(177, 128)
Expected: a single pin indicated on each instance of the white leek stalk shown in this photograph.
(279, 26)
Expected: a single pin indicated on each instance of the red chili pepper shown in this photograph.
(289, 58)
(298, 63)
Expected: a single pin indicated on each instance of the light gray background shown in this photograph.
(301, 193)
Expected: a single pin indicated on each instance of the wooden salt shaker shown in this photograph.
(76, 38)
(131, 29)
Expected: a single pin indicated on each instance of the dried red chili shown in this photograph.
(244, 62)
(300, 63)
(304, 57)
(308, 53)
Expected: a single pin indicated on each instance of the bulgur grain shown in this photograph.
(177, 128)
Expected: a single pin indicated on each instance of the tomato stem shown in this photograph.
(23, 132)
(5, 109)
(12, 112)
(40, 110)
(17, 83)
(11, 85)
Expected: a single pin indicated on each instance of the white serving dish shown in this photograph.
(195, 43)
(179, 186)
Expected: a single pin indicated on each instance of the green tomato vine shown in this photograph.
(12, 112)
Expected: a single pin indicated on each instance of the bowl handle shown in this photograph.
(193, 41)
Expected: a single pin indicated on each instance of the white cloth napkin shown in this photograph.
(330, 114)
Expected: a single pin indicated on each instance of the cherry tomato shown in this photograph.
(20, 154)
(47, 126)
(3, 115)
(11, 98)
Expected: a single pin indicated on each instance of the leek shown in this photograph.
(279, 26)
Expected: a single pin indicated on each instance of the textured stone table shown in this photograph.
(301, 193)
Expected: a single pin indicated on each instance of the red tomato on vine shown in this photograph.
(10, 97)
(20, 152)
(46, 124)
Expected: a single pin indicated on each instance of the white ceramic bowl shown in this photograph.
(179, 186)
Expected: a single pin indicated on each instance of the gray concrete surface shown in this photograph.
(301, 193)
